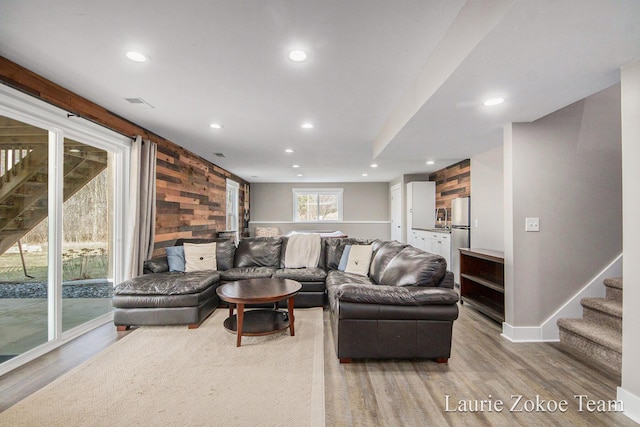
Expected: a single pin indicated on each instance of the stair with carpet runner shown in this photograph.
(598, 334)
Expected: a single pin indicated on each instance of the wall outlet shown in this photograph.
(532, 224)
(475, 222)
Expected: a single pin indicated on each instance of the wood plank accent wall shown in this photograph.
(191, 191)
(191, 196)
(452, 182)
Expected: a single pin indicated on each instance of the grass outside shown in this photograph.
(79, 261)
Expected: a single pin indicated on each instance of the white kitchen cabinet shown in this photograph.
(414, 239)
(424, 242)
(440, 244)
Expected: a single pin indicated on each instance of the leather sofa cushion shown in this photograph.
(334, 248)
(157, 301)
(381, 314)
(168, 283)
(384, 253)
(447, 280)
(241, 273)
(156, 265)
(225, 253)
(337, 277)
(258, 252)
(314, 274)
(414, 267)
(393, 295)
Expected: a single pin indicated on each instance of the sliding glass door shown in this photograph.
(87, 279)
(63, 186)
(24, 242)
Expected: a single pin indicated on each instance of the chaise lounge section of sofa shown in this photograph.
(162, 297)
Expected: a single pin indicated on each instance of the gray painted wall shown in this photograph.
(631, 269)
(487, 203)
(366, 210)
(565, 169)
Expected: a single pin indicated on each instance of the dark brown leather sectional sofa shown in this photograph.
(404, 308)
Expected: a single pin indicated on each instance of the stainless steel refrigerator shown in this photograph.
(460, 232)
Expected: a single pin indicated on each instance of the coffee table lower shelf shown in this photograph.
(259, 322)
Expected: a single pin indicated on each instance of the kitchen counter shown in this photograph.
(436, 230)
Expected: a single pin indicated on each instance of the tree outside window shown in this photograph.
(317, 205)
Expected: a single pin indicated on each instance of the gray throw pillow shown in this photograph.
(345, 258)
(175, 257)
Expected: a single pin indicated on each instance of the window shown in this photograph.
(317, 205)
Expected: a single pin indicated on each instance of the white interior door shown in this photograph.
(396, 213)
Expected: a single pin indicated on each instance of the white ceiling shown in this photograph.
(391, 81)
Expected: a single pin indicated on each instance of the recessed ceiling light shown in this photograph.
(297, 55)
(430, 162)
(493, 101)
(295, 166)
(215, 126)
(365, 174)
(288, 150)
(299, 174)
(374, 165)
(74, 150)
(307, 125)
(137, 56)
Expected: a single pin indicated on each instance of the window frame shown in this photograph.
(339, 192)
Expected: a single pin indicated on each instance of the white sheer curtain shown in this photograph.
(142, 205)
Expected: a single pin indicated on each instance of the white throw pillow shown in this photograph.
(200, 256)
(359, 259)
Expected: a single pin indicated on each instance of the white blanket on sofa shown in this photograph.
(303, 250)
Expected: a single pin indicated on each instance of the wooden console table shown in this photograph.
(482, 281)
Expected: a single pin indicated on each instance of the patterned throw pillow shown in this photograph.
(359, 259)
(200, 257)
(175, 258)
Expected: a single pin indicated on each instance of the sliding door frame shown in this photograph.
(60, 124)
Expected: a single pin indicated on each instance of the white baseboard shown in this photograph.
(630, 404)
(548, 330)
(521, 333)
(573, 308)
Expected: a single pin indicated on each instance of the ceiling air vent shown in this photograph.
(139, 102)
(219, 154)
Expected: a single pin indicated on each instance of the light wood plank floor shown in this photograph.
(408, 393)
(482, 364)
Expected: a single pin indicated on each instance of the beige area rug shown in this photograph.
(172, 376)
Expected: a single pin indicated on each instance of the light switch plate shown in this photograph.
(532, 224)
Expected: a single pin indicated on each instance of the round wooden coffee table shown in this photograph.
(257, 291)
